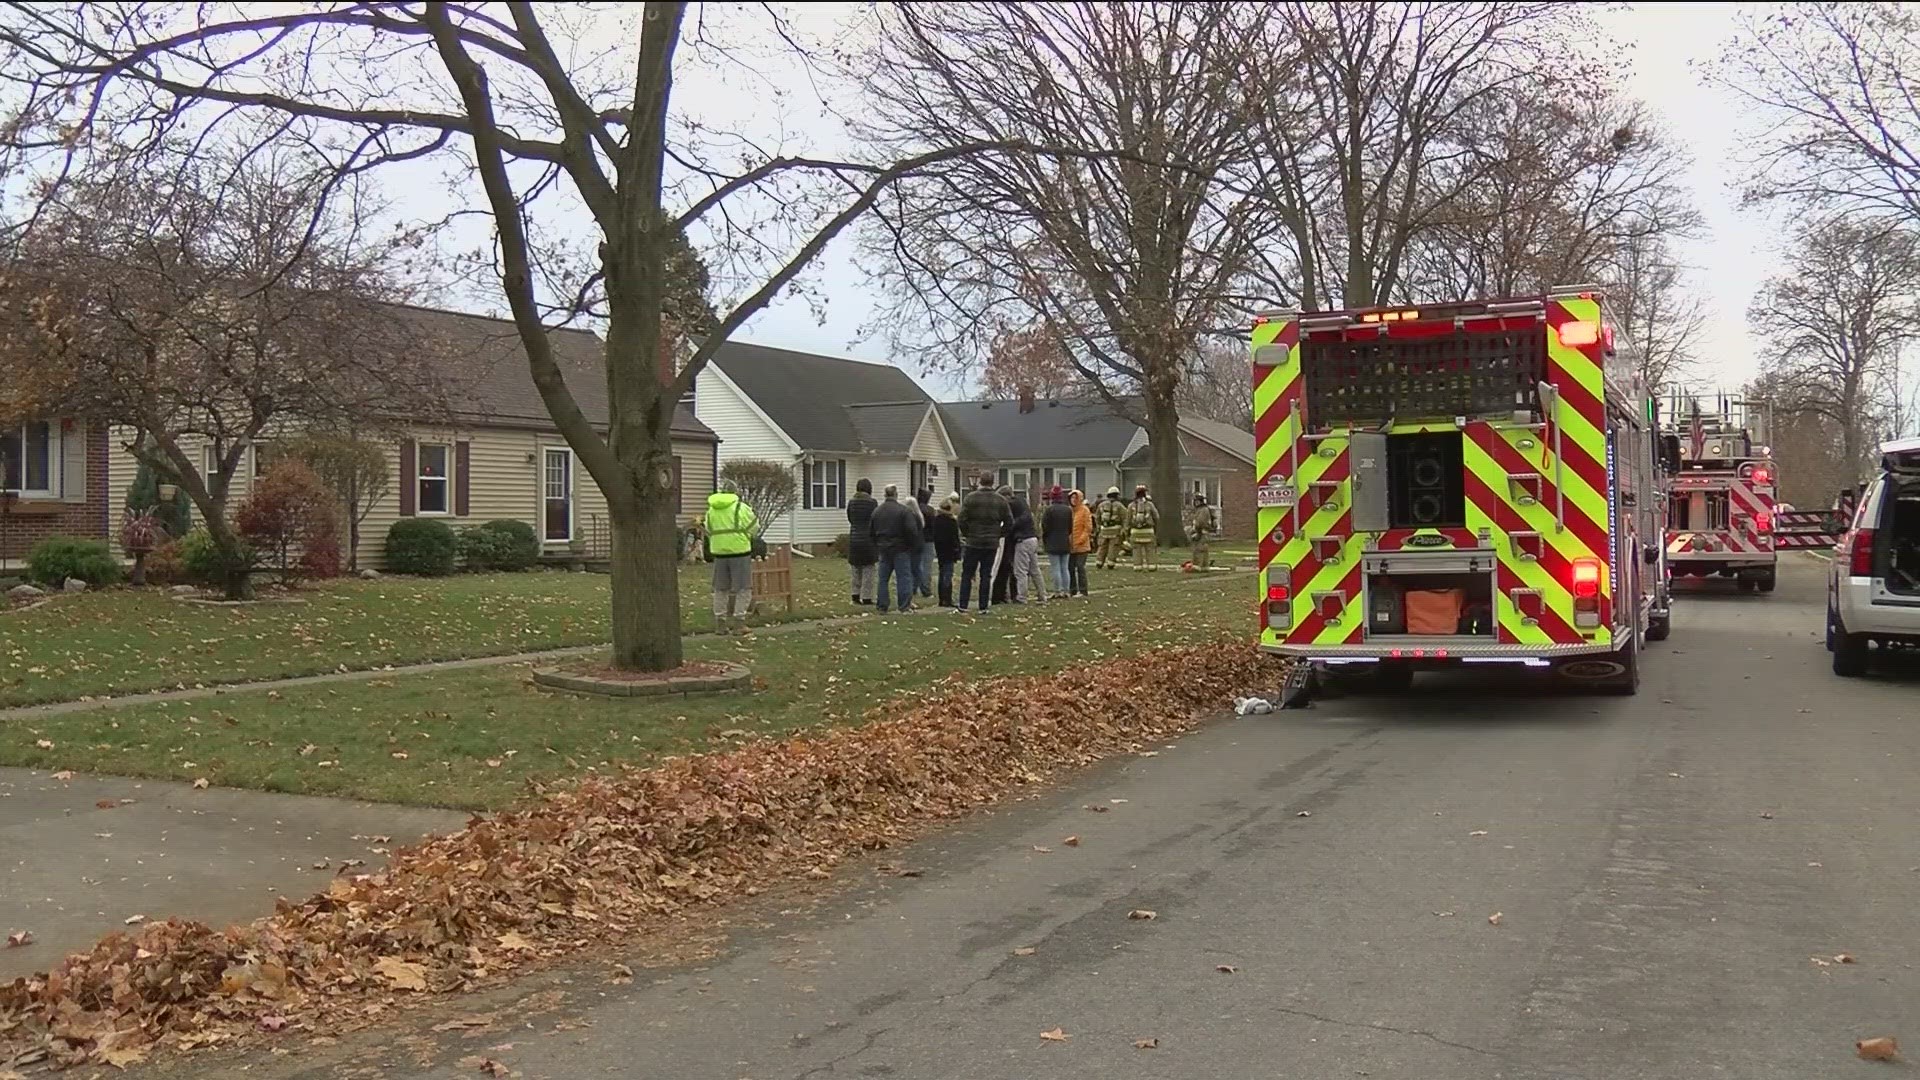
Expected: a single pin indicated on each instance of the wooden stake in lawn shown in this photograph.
(552, 127)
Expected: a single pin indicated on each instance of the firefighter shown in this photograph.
(1142, 519)
(1111, 523)
(1201, 525)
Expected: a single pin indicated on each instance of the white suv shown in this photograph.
(1873, 589)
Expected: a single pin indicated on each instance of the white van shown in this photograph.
(1873, 588)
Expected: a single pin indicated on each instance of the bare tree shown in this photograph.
(201, 301)
(1657, 315)
(1362, 141)
(558, 128)
(1219, 384)
(1835, 325)
(1838, 115)
(1028, 361)
(1125, 254)
(1549, 191)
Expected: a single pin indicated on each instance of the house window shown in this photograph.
(434, 458)
(826, 481)
(1005, 478)
(209, 464)
(263, 458)
(30, 456)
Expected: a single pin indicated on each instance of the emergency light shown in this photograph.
(1586, 579)
(1578, 333)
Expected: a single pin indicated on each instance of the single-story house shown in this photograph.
(834, 421)
(1080, 443)
(494, 454)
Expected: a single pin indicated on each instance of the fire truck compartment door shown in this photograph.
(1372, 504)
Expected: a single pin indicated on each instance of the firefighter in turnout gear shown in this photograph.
(1142, 519)
(1110, 523)
(1201, 525)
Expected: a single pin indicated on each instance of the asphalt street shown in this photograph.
(1674, 875)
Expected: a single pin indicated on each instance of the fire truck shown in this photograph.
(1444, 485)
(1722, 515)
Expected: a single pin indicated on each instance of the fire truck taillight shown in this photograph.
(1279, 608)
(1579, 333)
(1762, 476)
(1586, 592)
(1763, 522)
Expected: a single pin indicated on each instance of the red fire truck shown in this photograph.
(1720, 520)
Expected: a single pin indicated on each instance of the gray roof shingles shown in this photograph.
(808, 395)
(887, 427)
(485, 368)
(1057, 431)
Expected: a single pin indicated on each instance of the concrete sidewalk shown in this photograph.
(72, 870)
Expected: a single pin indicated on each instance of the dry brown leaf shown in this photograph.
(18, 938)
(1096, 809)
(1043, 850)
(105, 804)
(1843, 958)
(1142, 913)
(1767, 814)
(44, 744)
(1055, 1035)
(1494, 919)
(1478, 832)
(1146, 1044)
(1226, 969)
(621, 973)
(1025, 950)
(1884, 1048)
(201, 784)
(134, 920)
(1820, 961)
(513, 941)
(63, 774)
(465, 1023)
(1071, 841)
(401, 974)
(1304, 813)
(122, 1056)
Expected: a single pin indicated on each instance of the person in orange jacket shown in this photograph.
(1082, 544)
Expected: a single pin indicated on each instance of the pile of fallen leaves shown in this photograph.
(605, 856)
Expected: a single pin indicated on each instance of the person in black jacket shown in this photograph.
(984, 520)
(1003, 592)
(1056, 535)
(924, 558)
(1024, 553)
(944, 535)
(897, 537)
(860, 553)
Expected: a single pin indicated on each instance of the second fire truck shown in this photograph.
(1472, 483)
(1722, 516)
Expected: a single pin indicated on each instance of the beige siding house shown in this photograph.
(495, 453)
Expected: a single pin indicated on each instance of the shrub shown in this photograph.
(421, 546)
(175, 515)
(53, 561)
(166, 565)
(289, 511)
(841, 545)
(200, 558)
(502, 544)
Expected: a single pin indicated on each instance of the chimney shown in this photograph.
(1026, 397)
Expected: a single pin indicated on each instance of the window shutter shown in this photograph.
(462, 465)
(806, 485)
(842, 489)
(409, 478)
(73, 459)
(1080, 479)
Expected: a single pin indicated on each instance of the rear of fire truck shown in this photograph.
(1722, 518)
(1454, 484)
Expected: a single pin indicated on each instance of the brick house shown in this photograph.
(53, 482)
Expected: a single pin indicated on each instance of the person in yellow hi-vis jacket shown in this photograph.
(1142, 519)
(730, 528)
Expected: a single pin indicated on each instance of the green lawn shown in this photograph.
(476, 738)
(119, 641)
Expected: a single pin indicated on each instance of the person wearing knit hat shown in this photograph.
(1056, 535)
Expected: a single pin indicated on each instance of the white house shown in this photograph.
(834, 421)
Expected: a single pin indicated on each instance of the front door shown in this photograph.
(557, 487)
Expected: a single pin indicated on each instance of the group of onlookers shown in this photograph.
(899, 548)
(992, 536)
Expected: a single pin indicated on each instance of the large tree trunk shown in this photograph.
(1163, 433)
(646, 556)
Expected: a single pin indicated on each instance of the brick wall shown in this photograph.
(1236, 487)
(28, 523)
